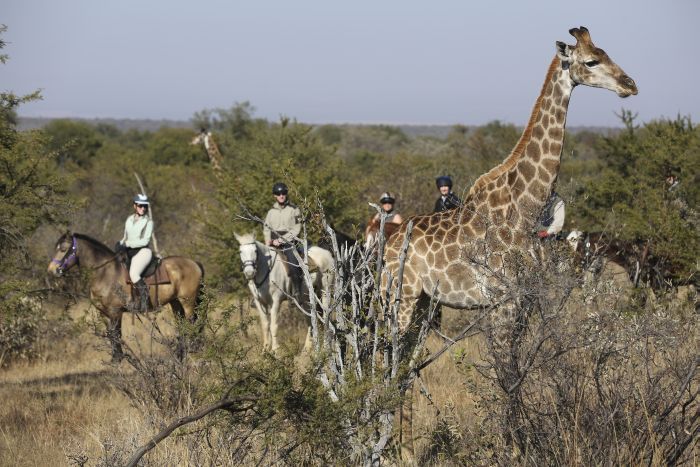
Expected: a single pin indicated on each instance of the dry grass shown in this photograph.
(65, 409)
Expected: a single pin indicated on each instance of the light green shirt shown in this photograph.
(137, 231)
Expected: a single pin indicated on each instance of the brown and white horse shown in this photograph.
(110, 292)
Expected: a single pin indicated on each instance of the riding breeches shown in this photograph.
(138, 263)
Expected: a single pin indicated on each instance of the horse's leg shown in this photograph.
(114, 334)
(274, 313)
(264, 327)
(179, 312)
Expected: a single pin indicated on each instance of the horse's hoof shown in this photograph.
(117, 359)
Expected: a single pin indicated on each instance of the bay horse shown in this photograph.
(270, 285)
(594, 249)
(372, 231)
(110, 292)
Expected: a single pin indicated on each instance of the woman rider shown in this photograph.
(387, 201)
(138, 230)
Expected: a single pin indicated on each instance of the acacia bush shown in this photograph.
(586, 380)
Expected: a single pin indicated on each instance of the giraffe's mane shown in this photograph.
(519, 148)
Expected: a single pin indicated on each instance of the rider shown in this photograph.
(447, 200)
(281, 229)
(138, 230)
(387, 201)
(551, 220)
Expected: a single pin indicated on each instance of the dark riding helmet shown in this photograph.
(387, 198)
(443, 180)
(279, 188)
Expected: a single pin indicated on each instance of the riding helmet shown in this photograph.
(279, 188)
(386, 198)
(141, 199)
(443, 180)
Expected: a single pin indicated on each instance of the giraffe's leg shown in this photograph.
(408, 309)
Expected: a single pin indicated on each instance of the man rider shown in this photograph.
(551, 220)
(447, 200)
(281, 230)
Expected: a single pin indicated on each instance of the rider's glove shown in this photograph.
(542, 234)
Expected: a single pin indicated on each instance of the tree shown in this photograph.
(31, 194)
(631, 198)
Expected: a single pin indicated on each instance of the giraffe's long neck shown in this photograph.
(213, 152)
(529, 172)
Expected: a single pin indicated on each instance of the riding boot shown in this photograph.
(297, 287)
(142, 296)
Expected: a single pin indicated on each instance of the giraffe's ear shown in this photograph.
(564, 51)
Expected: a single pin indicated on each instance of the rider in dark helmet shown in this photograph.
(551, 221)
(447, 200)
(281, 229)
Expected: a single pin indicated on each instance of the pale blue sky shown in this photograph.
(360, 61)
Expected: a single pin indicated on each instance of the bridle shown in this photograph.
(70, 258)
(253, 264)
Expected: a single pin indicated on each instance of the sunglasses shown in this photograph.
(144, 206)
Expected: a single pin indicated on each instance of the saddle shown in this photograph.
(311, 264)
(154, 274)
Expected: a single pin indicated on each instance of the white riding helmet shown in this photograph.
(141, 199)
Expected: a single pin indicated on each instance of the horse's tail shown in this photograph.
(200, 289)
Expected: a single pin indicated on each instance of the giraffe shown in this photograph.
(452, 252)
(205, 137)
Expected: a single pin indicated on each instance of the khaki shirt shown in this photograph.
(283, 222)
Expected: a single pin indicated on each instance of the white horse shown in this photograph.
(270, 284)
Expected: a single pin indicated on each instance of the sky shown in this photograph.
(439, 62)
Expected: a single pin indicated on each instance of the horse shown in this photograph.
(343, 240)
(372, 231)
(270, 285)
(110, 292)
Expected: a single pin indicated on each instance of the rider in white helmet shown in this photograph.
(138, 230)
(387, 202)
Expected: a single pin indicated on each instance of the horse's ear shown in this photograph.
(68, 233)
(237, 237)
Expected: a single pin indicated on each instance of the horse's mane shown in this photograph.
(95, 243)
(246, 238)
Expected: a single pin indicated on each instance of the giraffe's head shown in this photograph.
(591, 66)
(201, 137)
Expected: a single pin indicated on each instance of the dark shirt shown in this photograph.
(450, 201)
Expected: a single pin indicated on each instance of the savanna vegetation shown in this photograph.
(589, 373)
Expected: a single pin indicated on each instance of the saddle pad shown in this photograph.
(156, 276)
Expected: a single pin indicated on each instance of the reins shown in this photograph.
(269, 268)
(73, 253)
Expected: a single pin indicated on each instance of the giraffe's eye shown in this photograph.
(591, 63)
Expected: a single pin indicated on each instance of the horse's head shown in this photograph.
(573, 239)
(65, 254)
(248, 249)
